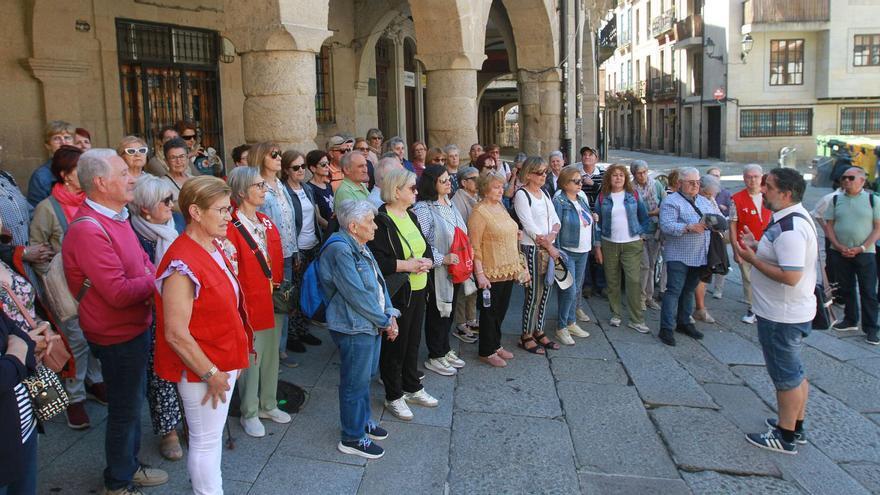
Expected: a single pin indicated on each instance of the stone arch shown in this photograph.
(535, 29)
(459, 45)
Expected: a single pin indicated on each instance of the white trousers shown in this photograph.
(205, 435)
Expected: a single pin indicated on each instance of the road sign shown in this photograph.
(719, 94)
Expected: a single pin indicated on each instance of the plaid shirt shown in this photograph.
(675, 214)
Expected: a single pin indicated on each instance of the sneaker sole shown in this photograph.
(79, 427)
(642, 331)
(569, 341)
(377, 437)
(767, 447)
(270, 418)
(847, 329)
(872, 342)
(359, 453)
(251, 434)
(797, 439)
(614, 324)
(422, 404)
(402, 418)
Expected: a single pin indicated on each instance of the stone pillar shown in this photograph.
(279, 89)
(452, 107)
(60, 80)
(590, 88)
(540, 111)
(399, 88)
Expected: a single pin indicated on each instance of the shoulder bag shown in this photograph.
(717, 262)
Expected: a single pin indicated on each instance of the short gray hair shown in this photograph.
(753, 167)
(709, 182)
(391, 143)
(240, 179)
(683, 171)
(555, 153)
(148, 191)
(353, 210)
(394, 180)
(859, 171)
(93, 163)
(346, 160)
(385, 165)
(636, 165)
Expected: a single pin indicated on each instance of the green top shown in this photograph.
(854, 219)
(410, 232)
(349, 190)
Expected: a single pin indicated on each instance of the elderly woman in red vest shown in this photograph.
(260, 268)
(203, 338)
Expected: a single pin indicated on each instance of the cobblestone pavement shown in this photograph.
(617, 413)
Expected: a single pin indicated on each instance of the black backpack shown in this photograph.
(512, 209)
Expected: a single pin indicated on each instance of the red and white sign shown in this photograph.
(719, 94)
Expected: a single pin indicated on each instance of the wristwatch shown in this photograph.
(211, 372)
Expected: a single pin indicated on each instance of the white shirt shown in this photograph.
(586, 231)
(375, 197)
(758, 200)
(257, 232)
(307, 238)
(619, 222)
(537, 218)
(790, 244)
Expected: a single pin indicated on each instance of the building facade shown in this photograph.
(298, 71)
(739, 80)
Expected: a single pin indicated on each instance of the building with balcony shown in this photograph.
(747, 77)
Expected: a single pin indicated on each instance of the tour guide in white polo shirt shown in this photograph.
(783, 300)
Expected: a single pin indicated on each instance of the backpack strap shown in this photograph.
(252, 244)
(56, 207)
(88, 283)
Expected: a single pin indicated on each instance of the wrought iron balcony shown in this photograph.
(663, 23)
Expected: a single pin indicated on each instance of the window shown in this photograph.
(786, 62)
(860, 120)
(324, 111)
(697, 73)
(776, 122)
(166, 74)
(637, 26)
(866, 50)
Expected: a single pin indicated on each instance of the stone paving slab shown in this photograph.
(838, 431)
(712, 483)
(851, 385)
(730, 348)
(659, 378)
(869, 365)
(611, 432)
(702, 365)
(613, 484)
(835, 347)
(596, 346)
(418, 456)
(702, 439)
(498, 453)
(246, 460)
(588, 370)
(866, 473)
(285, 474)
(858, 339)
(443, 389)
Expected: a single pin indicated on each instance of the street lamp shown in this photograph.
(746, 46)
(710, 50)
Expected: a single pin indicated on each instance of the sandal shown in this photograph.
(535, 349)
(545, 341)
(170, 448)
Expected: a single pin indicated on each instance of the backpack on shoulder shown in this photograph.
(312, 301)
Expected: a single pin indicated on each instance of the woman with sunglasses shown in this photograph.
(486, 164)
(575, 240)
(318, 162)
(438, 220)
(308, 239)
(152, 221)
(133, 151)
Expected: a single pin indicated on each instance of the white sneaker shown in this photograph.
(581, 315)
(564, 337)
(717, 294)
(421, 398)
(399, 409)
(652, 304)
(577, 331)
(454, 360)
(253, 427)
(440, 366)
(704, 316)
(640, 327)
(615, 321)
(276, 415)
(749, 318)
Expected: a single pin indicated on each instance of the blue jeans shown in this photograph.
(359, 356)
(678, 300)
(288, 275)
(569, 298)
(27, 483)
(781, 344)
(125, 374)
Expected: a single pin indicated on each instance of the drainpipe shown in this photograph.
(702, 74)
(579, 76)
(563, 56)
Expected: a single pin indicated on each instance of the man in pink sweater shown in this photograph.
(108, 270)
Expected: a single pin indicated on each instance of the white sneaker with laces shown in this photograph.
(564, 337)
(454, 360)
(581, 315)
(421, 398)
(640, 327)
(615, 321)
(440, 366)
(253, 427)
(276, 415)
(749, 318)
(577, 331)
(399, 409)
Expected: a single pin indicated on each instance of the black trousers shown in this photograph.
(399, 360)
(861, 272)
(492, 317)
(436, 326)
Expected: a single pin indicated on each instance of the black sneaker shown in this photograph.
(873, 339)
(376, 432)
(772, 440)
(799, 436)
(364, 448)
(844, 326)
(666, 337)
(294, 344)
(690, 330)
(464, 334)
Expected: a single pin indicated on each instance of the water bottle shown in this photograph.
(487, 298)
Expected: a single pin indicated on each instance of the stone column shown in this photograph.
(540, 111)
(452, 107)
(60, 80)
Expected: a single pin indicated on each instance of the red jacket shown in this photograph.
(218, 326)
(256, 286)
(747, 215)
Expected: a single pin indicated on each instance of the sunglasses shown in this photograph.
(443, 181)
(848, 177)
(136, 151)
(323, 164)
(379, 138)
(439, 160)
(470, 178)
(275, 154)
(297, 168)
(187, 137)
(169, 201)
(540, 172)
(577, 181)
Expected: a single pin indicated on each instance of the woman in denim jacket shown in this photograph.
(359, 309)
(576, 240)
(622, 220)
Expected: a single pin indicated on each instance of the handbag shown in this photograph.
(461, 247)
(56, 359)
(717, 262)
(47, 395)
(282, 298)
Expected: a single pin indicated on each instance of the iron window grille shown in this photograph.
(776, 122)
(324, 111)
(860, 120)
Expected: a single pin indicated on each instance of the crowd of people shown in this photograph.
(188, 278)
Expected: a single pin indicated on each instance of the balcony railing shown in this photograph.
(690, 27)
(772, 11)
(663, 23)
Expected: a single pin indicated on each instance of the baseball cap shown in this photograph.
(590, 149)
(338, 140)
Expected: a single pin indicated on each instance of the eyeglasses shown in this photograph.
(474, 177)
(169, 201)
(262, 185)
(62, 138)
(539, 172)
(275, 154)
(136, 151)
(848, 177)
(296, 168)
(439, 160)
(175, 158)
(695, 182)
(377, 138)
(187, 137)
(222, 210)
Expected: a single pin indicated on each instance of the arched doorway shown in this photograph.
(413, 93)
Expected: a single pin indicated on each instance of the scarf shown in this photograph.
(70, 202)
(163, 234)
